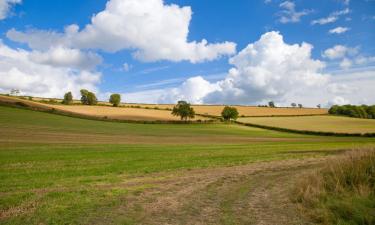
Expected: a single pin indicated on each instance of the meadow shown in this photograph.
(337, 124)
(63, 170)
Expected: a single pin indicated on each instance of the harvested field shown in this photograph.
(337, 124)
(122, 113)
(108, 112)
(215, 110)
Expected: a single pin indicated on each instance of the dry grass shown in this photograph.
(343, 192)
(121, 113)
(336, 124)
(108, 112)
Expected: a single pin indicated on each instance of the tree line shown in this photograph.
(358, 111)
(89, 98)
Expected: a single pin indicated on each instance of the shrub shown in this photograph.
(183, 110)
(68, 98)
(343, 192)
(229, 113)
(115, 99)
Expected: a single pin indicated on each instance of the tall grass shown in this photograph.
(343, 192)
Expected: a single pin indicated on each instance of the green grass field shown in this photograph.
(337, 124)
(63, 170)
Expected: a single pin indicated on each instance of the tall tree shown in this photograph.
(229, 113)
(68, 98)
(115, 99)
(183, 110)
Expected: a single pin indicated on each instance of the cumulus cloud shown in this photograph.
(18, 70)
(264, 70)
(338, 30)
(289, 14)
(64, 57)
(349, 56)
(194, 90)
(154, 30)
(339, 51)
(5, 7)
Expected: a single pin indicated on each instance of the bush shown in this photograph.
(68, 98)
(343, 192)
(115, 99)
(229, 113)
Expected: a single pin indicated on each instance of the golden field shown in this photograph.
(338, 124)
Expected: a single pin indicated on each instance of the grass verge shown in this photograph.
(343, 192)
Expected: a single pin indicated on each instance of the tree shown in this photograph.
(271, 104)
(229, 113)
(293, 104)
(84, 94)
(91, 99)
(115, 99)
(68, 98)
(300, 105)
(88, 98)
(319, 106)
(183, 110)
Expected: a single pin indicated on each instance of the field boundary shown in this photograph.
(309, 132)
(51, 110)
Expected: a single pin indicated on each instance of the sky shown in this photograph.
(206, 52)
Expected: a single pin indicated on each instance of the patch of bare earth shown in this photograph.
(253, 194)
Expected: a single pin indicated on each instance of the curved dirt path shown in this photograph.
(258, 193)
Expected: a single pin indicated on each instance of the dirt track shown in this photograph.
(258, 193)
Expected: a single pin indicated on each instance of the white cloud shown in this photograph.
(289, 13)
(333, 17)
(346, 63)
(153, 30)
(339, 51)
(338, 100)
(194, 90)
(5, 7)
(264, 70)
(339, 30)
(348, 56)
(17, 70)
(321, 21)
(64, 57)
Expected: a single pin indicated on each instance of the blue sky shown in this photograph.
(195, 76)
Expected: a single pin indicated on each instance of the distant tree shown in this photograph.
(271, 104)
(91, 99)
(88, 98)
(318, 106)
(115, 99)
(300, 106)
(84, 94)
(183, 110)
(229, 113)
(293, 104)
(68, 98)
